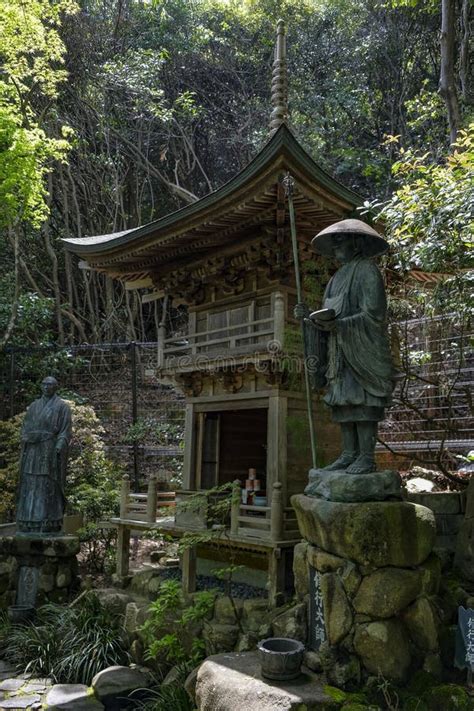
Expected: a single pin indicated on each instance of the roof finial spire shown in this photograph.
(279, 114)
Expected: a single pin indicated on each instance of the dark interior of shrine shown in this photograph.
(233, 442)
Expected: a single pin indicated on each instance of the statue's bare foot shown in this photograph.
(342, 462)
(364, 464)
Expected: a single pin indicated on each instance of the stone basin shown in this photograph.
(280, 658)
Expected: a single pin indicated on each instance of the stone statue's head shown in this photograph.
(49, 386)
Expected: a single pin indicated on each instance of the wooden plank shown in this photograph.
(252, 533)
(188, 570)
(276, 577)
(240, 401)
(189, 447)
(123, 551)
(248, 507)
(257, 522)
(199, 446)
(276, 444)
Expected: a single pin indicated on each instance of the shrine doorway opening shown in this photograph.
(229, 444)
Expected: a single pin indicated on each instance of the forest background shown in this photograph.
(115, 112)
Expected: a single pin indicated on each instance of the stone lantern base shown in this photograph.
(37, 569)
(369, 573)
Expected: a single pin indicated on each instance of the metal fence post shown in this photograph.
(133, 360)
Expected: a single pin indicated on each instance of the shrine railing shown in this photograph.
(265, 524)
(249, 336)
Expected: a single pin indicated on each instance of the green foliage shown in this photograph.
(10, 445)
(429, 220)
(169, 99)
(172, 697)
(32, 53)
(92, 488)
(69, 644)
(155, 432)
(169, 611)
(34, 317)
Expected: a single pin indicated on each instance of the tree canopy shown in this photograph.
(115, 113)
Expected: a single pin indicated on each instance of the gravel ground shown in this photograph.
(207, 582)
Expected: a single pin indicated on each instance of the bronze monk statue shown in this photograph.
(45, 438)
(348, 342)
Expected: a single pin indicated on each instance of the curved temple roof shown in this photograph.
(204, 224)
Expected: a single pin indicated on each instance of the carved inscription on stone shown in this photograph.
(317, 628)
(27, 586)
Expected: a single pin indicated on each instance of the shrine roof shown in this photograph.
(247, 201)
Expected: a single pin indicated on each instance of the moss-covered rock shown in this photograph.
(228, 611)
(337, 611)
(387, 591)
(345, 672)
(431, 569)
(324, 562)
(375, 533)
(292, 623)
(384, 648)
(447, 644)
(422, 624)
(300, 569)
(219, 638)
(351, 578)
(255, 615)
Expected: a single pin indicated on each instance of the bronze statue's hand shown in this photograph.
(301, 311)
(59, 445)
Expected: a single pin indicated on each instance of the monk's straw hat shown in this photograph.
(373, 244)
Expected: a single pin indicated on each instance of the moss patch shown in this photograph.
(448, 696)
(336, 694)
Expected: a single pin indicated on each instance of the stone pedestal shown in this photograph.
(35, 570)
(371, 571)
(226, 682)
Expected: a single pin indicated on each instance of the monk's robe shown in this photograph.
(354, 361)
(41, 500)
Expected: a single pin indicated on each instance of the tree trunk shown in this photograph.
(466, 56)
(55, 267)
(15, 238)
(447, 83)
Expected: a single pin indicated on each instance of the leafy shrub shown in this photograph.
(92, 488)
(169, 612)
(9, 465)
(156, 432)
(68, 644)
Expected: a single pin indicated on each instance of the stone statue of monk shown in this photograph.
(349, 343)
(45, 437)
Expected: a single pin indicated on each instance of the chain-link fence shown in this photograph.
(431, 420)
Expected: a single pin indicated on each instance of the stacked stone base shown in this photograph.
(53, 558)
(377, 577)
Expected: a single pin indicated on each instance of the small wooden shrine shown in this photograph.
(228, 257)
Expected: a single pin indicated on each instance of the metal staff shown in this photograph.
(289, 183)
